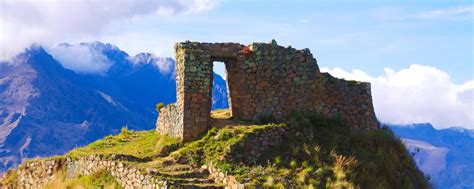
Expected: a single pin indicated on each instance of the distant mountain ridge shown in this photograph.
(46, 109)
(451, 149)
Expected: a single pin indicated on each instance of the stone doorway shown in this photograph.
(219, 79)
(263, 80)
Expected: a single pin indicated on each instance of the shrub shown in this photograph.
(265, 119)
(124, 130)
(159, 106)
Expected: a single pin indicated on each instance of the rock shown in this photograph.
(183, 160)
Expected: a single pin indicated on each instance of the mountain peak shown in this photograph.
(37, 57)
(34, 49)
(100, 46)
(425, 126)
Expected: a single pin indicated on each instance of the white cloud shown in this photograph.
(303, 20)
(80, 58)
(443, 13)
(418, 94)
(52, 21)
(164, 65)
(452, 13)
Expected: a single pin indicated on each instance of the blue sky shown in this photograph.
(369, 35)
(418, 55)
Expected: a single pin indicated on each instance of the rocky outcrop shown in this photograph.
(264, 79)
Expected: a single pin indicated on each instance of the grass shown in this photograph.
(221, 114)
(100, 179)
(321, 153)
(333, 155)
(217, 144)
(141, 144)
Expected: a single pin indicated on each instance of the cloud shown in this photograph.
(52, 21)
(399, 14)
(80, 58)
(443, 13)
(164, 65)
(303, 20)
(417, 94)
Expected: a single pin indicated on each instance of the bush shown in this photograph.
(265, 119)
(159, 106)
(124, 130)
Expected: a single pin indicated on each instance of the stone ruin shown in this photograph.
(263, 79)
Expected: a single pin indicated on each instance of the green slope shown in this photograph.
(318, 153)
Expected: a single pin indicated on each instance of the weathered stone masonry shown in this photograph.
(262, 79)
(39, 173)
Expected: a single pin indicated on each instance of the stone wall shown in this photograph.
(350, 101)
(222, 177)
(36, 174)
(126, 175)
(170, 117)
(39, 173)
(263, 79)
(251, 149)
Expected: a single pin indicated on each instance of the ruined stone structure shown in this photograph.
(41, 172)
(263, 79)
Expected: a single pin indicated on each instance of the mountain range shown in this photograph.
(446, 155)
(47, 109)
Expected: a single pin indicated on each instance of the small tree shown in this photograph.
(159, 106)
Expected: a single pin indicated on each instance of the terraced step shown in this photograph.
(176, 167)
(207, 186)
(181, 175)
(186, 181)
(195, 173)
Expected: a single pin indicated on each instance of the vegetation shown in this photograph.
(100, 179)
(143, 144)
(159, 106)
(353, 82)
(331, 154)
(322, 153)
(221, 114)
(317, 153)
(265, 119)
(216, 145)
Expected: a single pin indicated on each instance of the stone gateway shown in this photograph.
(263, 79)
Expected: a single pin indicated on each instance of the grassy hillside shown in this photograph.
(318, 153)
(322, 153)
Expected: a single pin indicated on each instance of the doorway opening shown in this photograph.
(220, 97)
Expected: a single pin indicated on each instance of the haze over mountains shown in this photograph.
(46, 109)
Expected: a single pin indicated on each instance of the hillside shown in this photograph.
(47, 109)
(306, 150)
(446, 155)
